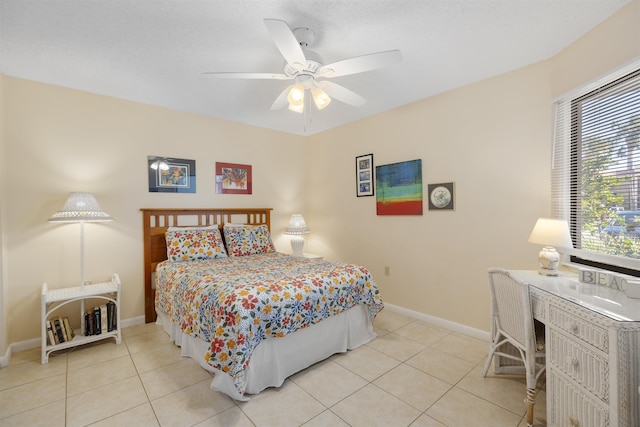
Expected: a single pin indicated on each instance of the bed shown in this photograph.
(251, 316)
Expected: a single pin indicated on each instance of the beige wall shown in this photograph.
(60, 140)
(492, 138)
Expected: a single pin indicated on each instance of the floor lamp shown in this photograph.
(81, 207)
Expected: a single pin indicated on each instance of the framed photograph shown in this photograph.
(167, 175)
(441, 196)
(364, 175)
(399, 188)
(232, 178)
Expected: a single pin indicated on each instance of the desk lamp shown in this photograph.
(550, 232)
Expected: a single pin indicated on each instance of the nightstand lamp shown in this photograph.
(550, 232)
(297, 228)
(81, 207)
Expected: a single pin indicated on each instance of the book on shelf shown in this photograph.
(111, 316)
(90, 323)
(64, 331)
(58, 330)
(50, 335)
(97, 320)
(104, 320)
(68, 329)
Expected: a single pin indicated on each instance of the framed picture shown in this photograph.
(441, 196)
(167, 175)
(364, 175)
(232, 178)
(399, 188)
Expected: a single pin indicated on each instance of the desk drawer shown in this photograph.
(574, 321)
(571, 407)
(580, 363)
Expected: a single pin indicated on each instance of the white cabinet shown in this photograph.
(53, 299)
(592, 351)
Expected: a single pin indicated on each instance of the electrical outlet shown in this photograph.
(387, 271)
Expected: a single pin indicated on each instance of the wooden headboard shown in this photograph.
(155, 222)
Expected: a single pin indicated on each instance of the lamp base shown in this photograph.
(297, 243)
(549, 260)
(546, 272)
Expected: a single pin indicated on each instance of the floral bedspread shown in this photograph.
(234, 303)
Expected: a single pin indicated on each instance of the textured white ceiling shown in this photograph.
(156, 51)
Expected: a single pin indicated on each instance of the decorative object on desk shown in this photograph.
(441, 196)
(364, 175)
(232, 178)
(633, 288)
(550, 232)
(171, 175)
(297, 228)
(399, 188)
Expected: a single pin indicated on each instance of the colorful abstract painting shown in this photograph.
(399, 188)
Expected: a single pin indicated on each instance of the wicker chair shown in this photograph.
(513, 323)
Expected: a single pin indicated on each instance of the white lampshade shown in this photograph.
(80, 207)
(297, 225)
(550, 232)
(296, 95)
(320, 98)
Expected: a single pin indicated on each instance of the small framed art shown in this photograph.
(441, 196)
(364, 175)
(232, 178)
(168, 175)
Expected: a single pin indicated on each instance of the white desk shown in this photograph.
(592, 348)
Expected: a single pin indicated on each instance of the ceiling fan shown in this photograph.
(310, 75)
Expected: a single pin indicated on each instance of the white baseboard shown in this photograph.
(19, 346)
(447, 324)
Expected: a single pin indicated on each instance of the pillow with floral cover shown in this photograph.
(194, 243)
(244, 240)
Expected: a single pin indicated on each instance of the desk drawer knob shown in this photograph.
(574, 422)
(573, 327)
(573, 362)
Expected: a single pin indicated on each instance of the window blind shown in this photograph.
(596, 170)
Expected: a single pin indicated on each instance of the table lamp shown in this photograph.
(550, 232)
(297, 228)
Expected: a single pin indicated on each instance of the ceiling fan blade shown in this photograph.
(360, 64)
(286, 42)
(232, 75)
(281, 101)
(341, 93)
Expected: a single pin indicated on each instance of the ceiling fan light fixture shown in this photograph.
(296, 108)
(320, 98)
(296, 95)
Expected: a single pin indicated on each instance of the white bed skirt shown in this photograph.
(275, 359)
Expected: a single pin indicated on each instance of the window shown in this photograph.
(596, 172)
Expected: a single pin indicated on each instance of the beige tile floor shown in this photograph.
(412, 374)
